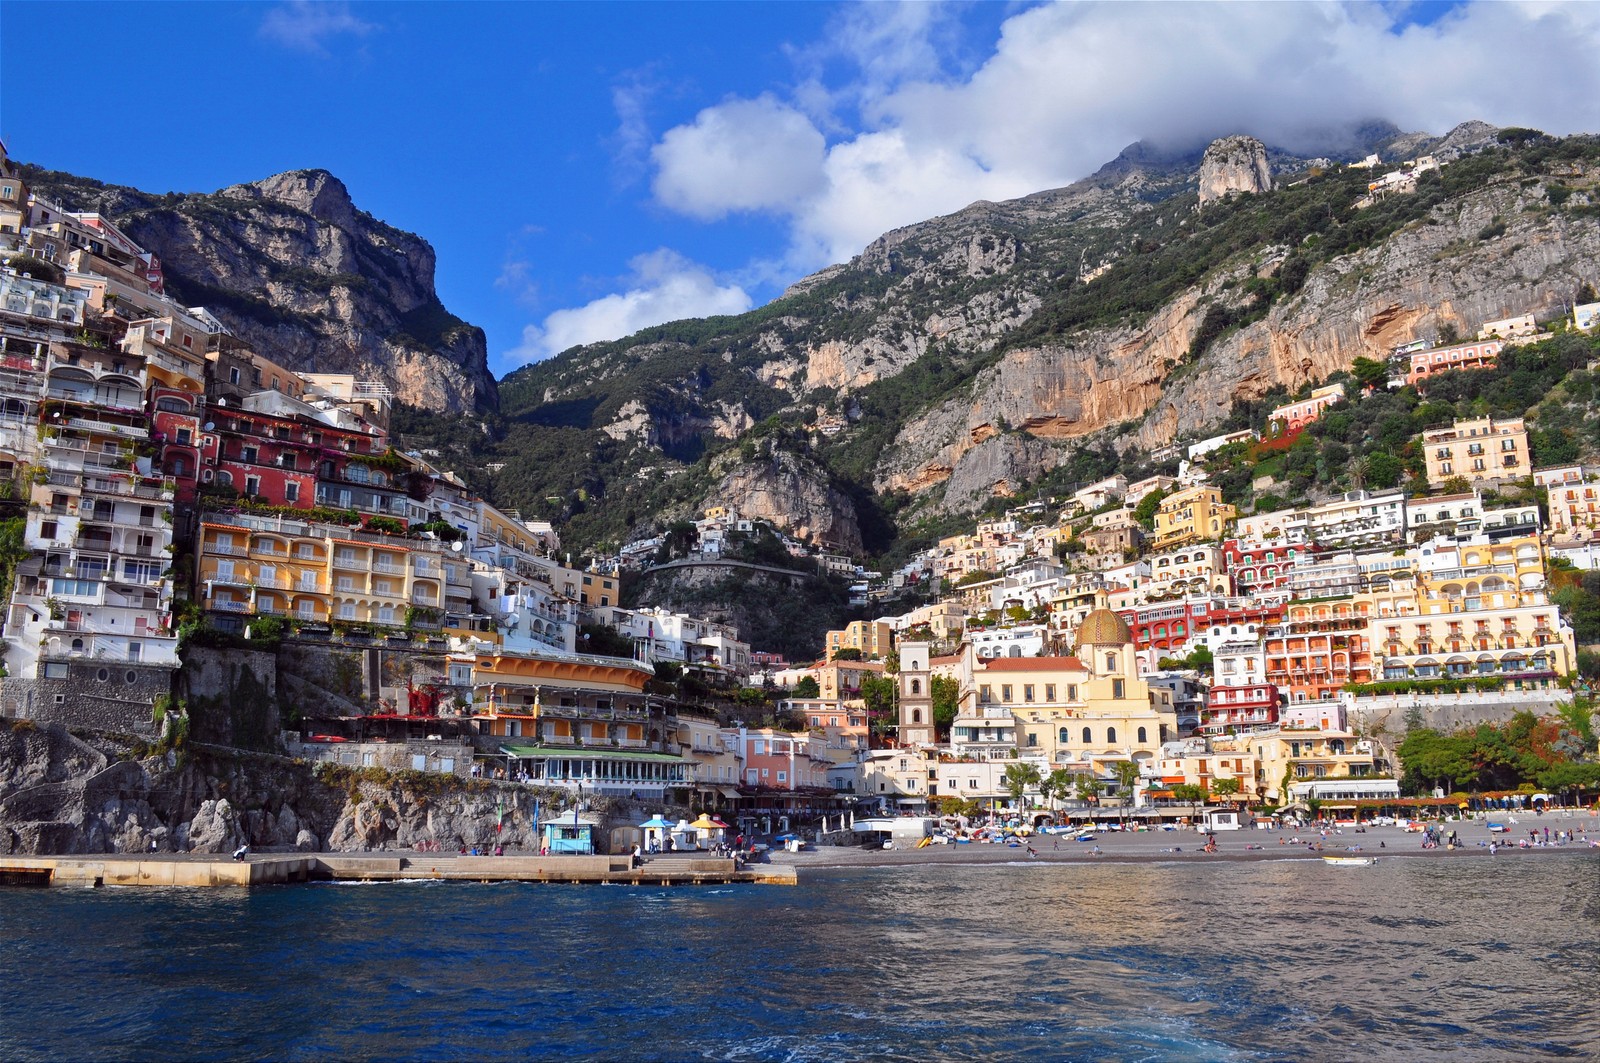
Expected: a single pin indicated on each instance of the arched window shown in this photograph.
(1086, 737)
(1143, 737)
(1111, 734)
(1016, 651)
(916, 715)
(1064, 736)
(224, 477)
(916, 686)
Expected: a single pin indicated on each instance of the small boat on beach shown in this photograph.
(1350, 861)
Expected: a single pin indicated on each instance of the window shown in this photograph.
(916, 686)
(1063, 736)
(1033, 739)
(55, 670)
(1005, 692)
(783, 776)
(252, 485)
(1111, 734)
(1143, 738)
(1087, 737)
(291, 492)
(1111, 662)
(1027, 692)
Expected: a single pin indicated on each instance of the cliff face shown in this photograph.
(61, 794)
(793, 493)
(1234, 164)
(293, 268)
(961, 357)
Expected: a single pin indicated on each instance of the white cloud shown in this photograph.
(744, 155)
(308, 27)
(663, 286)
(1068, 86)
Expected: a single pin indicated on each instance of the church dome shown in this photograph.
(1102, 627)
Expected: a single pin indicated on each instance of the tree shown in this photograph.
(1127, 773)
(1089, 789)
(1145, 511)
(807, 687)
(1369, 373)
(1019, 779)
(1226, 788)
(1057, 785)
(946, 693)
(847, 653)
(880, 695)
(1190, 792)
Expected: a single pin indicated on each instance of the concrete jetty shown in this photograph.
(194, 869)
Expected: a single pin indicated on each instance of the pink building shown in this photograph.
(1296, 415)
(1479, 355)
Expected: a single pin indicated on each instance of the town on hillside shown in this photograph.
(180, 507)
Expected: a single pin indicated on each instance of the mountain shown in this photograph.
(1052, 336)
(293, 268)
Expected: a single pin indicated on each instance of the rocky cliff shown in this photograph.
(64, 794)
(292, 267)
(969, 355)
(1234, 164)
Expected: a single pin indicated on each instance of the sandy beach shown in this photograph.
(1186, 845)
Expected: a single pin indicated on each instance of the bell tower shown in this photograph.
(916, 695)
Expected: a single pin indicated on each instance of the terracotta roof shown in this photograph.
(950, 658)
(1033, 664)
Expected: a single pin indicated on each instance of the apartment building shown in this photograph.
(873, 639)
(1193, 515)
(1477, 450)
(1573, 496)
(1426, 363)
(1294, 416)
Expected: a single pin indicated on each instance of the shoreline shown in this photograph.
(1185, 846)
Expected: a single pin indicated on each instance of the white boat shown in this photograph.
(1350, 861)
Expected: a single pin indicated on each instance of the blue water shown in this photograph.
(1411, 959)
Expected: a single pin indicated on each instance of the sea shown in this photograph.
(1409, 959)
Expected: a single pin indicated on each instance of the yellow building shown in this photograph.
(1084, 711)
(601, 588)
(874, 638)
(1334, 767)
(1203, 769)
(271, 566)
(1477, 450)
(568, 701)
(1195, 514)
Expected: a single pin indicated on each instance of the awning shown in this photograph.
(730, 793)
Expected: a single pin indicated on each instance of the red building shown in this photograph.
(1254, 570)
(1163, 629)
(1241, 708)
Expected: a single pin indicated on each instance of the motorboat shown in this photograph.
(1350, 861)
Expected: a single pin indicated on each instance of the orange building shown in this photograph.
(1319, 647)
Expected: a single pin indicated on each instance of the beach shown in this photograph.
(1186, 845)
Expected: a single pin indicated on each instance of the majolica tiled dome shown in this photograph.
(1102, 627)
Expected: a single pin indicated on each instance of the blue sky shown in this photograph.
(586, 169)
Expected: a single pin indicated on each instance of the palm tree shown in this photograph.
(1089, 788)
(1360, 468)
(1127, 777)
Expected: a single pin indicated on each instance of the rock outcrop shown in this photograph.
(61, 794)
(293, 268)
(792, 492)
(1234, 164)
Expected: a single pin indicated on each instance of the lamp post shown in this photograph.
(576, 802)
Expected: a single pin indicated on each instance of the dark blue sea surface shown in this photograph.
(1418, 959)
